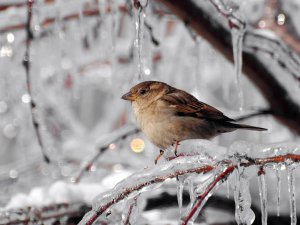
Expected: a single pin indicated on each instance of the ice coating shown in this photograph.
(146, 180)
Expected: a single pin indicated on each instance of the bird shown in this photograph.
(167, 115)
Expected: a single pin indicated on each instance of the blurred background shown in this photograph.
(64, 65)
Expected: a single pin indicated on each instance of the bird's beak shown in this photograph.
(129, 97)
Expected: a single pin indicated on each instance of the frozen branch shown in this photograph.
(258, 51)
(183, 165)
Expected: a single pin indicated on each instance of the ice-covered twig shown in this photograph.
(117, 135)
(221, 177)
(26, 63)
(142, 180)
(132, 205)
(183, 165)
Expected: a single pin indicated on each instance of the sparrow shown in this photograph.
(168, 115)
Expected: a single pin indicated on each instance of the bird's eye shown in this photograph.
(143, 91)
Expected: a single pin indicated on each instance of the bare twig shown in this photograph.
(103, 149)
(26, 63)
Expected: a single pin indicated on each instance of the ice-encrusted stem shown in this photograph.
(237, 36)
(140, 14)
(143, 181)
(263, 196)
(201, 199)
(292, 193)
(26, 64)
(278, 178)
(130, 207)
(183, 165)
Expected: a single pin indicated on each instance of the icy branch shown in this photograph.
(183, 165)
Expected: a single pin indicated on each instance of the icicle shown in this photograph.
(278, 176)
(237, 46)
(180, 183)
(292, 189)
(191, 188)
(227, 189)
(243, 212)
(263, 198)
(139, 34)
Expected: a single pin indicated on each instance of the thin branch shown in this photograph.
(115, 197)
(103, 149)
(136, 187)
(26, 63)
(134, 204)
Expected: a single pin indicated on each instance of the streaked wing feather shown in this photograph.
(185, 104)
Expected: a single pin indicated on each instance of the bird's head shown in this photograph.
(145, 93)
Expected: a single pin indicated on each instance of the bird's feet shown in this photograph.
(176, 144)
(161, 153)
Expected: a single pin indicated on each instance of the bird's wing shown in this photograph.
(185, 104)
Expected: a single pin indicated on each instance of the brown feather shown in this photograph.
(185, 104)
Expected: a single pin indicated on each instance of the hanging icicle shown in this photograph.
(237, 46)
(180, 185)
(263, 196)
(278, 178)
(140, 14)
(292, 193)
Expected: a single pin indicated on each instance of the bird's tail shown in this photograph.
(247, 127)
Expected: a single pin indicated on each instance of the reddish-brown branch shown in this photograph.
(127, 191)
(200, 199)
(202, 169)
(223, 176)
